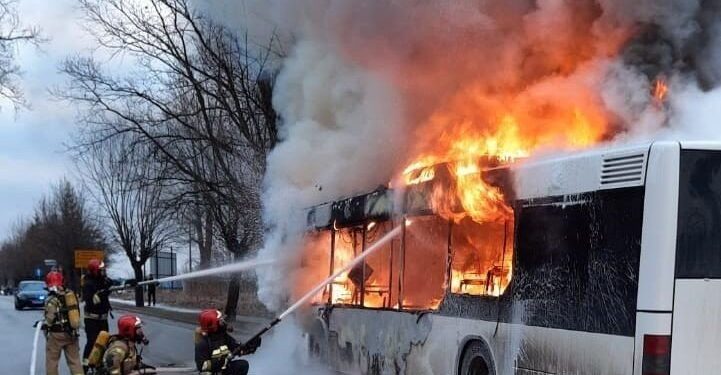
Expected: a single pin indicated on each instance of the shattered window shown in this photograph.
(378, 290)
(314, 264)
(577, 261)
(346, 288)
(425, 259)
(481, 257)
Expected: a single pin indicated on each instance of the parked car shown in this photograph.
(30, 293)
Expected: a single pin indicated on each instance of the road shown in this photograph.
(171, 345)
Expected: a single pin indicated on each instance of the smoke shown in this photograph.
(363, 86)
(281, 353)
(367, 86)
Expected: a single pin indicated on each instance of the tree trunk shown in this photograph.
(139, 301)
(231, 305)
(205, 238)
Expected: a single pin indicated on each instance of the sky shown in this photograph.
(33, 140)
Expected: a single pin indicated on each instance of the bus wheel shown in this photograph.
(476, 360)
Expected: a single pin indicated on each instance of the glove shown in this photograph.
(251, 346)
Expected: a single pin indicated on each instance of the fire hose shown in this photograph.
(301, 301)
(360, 258)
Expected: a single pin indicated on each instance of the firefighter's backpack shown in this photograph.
(101, 344)
(71, 304)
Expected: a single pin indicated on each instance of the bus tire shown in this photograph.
(476, 360)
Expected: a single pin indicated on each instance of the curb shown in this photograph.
(243, 324)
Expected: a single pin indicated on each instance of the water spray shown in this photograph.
(34, 355)
(303, 300)
(228, 268)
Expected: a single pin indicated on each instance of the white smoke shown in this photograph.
(281, 353)
(360, 76)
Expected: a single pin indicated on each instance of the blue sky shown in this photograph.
(32, 141)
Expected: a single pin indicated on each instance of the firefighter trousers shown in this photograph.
(237, 367)
(92, 329)
(56, 344)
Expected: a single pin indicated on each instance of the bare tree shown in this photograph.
(199, 97)
(118, 172)
(12, 33)
(62, 223)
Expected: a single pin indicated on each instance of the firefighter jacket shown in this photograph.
(56, 314)
(121, 357)
(213, 351)
(95, 296)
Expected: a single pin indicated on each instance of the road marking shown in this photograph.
(33, 357)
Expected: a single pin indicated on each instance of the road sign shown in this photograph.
(51, 262)
(82, 257)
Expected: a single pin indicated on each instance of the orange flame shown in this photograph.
(460, 139)
(660, 90)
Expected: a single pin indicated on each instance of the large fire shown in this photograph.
(482, 122)
(466, 245)
(469, 142)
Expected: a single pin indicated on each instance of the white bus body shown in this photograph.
(644, 295)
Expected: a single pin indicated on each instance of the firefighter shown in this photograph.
(97, 304)
(215, 348)
(60, 328)
(122, 357)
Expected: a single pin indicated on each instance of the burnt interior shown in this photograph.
(432, 258)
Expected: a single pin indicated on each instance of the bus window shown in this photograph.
(481, 257)
(577, 261)
(348, 245)
(378, 289)
(315, 262)
(698, 252)
(425, 258)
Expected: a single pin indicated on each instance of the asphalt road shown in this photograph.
(171, 345)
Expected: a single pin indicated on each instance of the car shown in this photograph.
(30, 293)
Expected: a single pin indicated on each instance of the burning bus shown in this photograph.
(590, 263)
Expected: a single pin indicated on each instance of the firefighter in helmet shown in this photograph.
(122, 357)
(215, 348)
(97, 304)
(60, 326)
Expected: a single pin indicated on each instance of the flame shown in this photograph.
(660, 90)
(469, 149)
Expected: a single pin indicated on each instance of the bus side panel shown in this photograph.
(696, 335)
(658, 238)
(658, 246)
(388, 342)
(558, 351)
(391, 342)
(378, 342)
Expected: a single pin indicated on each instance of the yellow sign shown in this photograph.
(82, 257)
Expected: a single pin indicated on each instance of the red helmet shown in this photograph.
(129, 327)
(95, 266)
(211, 320)
(54, 280)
